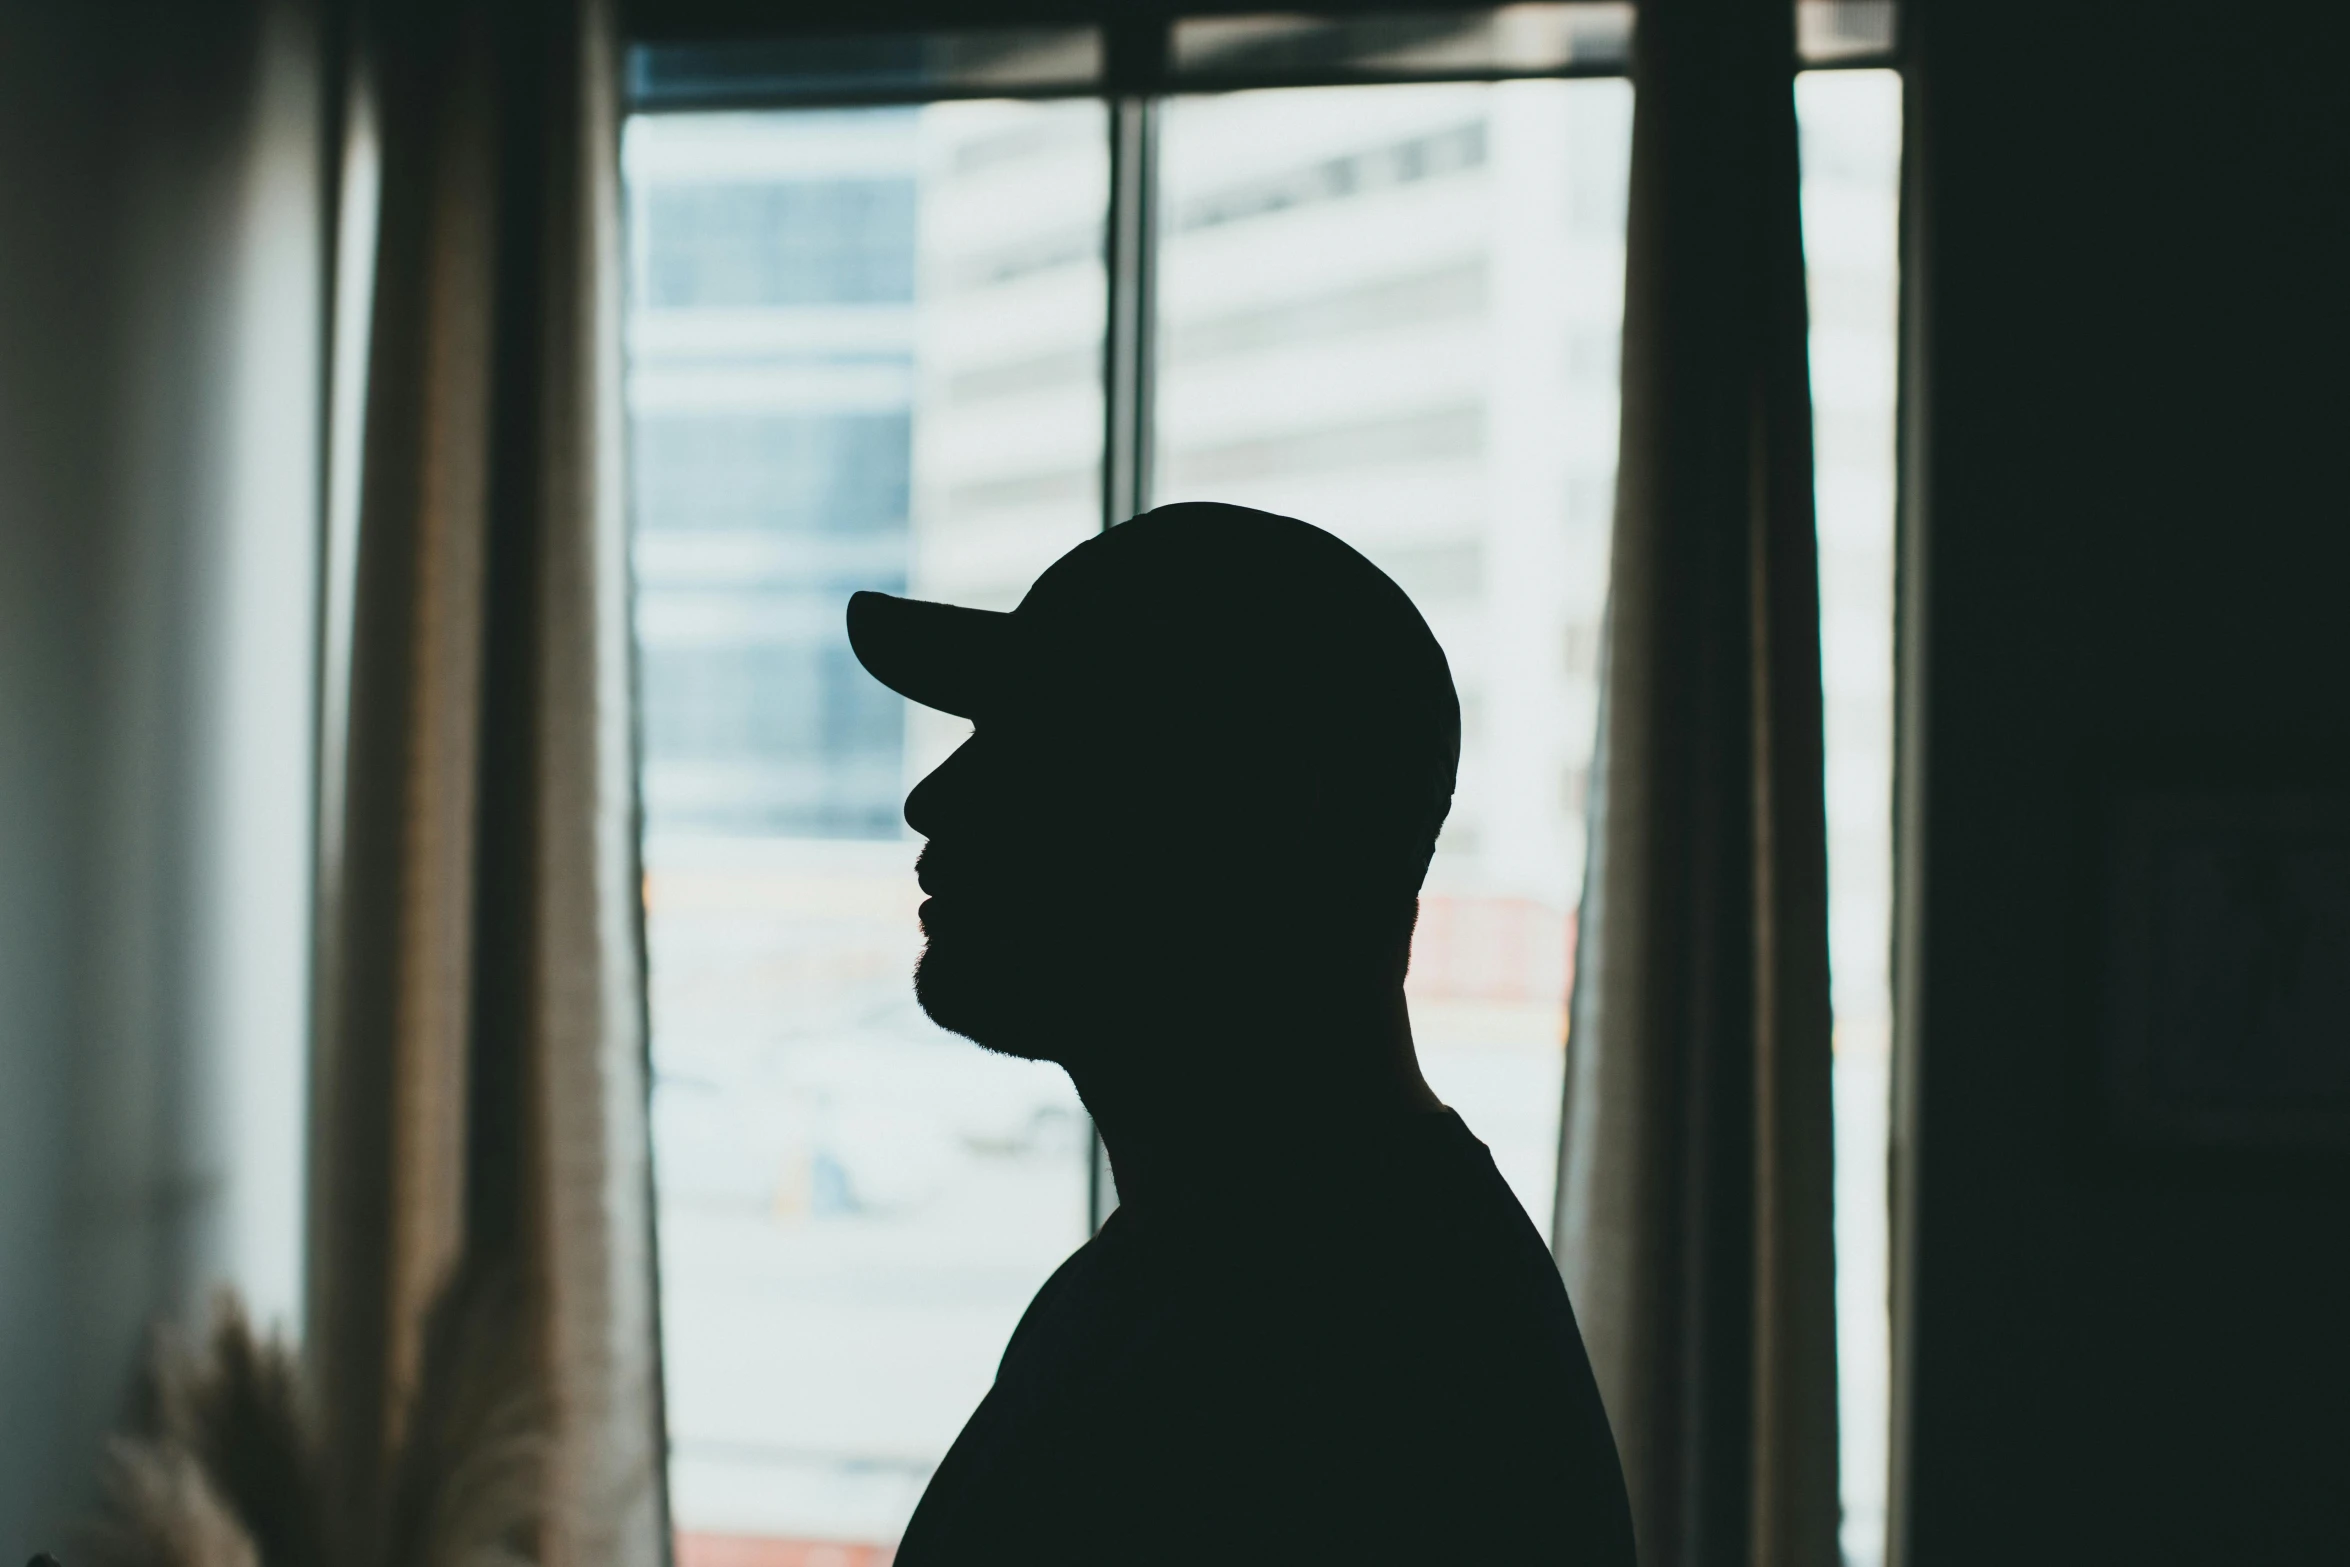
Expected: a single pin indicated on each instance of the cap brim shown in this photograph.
(940, 655)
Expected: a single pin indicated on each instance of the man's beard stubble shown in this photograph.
(1039, 986)
(980, 987)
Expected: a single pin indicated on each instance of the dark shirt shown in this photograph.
(1355, 1353)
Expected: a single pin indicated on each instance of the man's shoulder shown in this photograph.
(1429, 1249)
(1446, 1219)
(1392, 1373)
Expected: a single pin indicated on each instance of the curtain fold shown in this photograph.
(1695, 1212)
(480, 1085)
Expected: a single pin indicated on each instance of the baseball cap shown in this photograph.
(1263, 645)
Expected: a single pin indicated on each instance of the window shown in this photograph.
(836, 382)
(1370, 305)
(918, 314)
(1850, 124)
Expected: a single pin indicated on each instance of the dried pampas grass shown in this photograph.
(166, 1512)
(468, 1482)
(223, 1467)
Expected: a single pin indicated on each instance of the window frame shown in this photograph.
(1136, 79)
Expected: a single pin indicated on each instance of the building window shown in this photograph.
(828, 472)
(779, 241)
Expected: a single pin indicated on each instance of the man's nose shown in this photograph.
(930, 804)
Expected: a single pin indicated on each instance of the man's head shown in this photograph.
(1212, 749)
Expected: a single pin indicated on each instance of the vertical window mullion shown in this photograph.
(1126, 449)
(1126, 399)
(1137, 57)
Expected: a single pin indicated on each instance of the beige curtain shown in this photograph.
(1695, 1203)
(480, 1091)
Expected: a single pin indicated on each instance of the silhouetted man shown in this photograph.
(1180, 855)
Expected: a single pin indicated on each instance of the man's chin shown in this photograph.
(967, 995)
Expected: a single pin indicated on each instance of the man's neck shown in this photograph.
(1180, 1114)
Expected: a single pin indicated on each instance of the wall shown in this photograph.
(2133, 240)
(159, 307)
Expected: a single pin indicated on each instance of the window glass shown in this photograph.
(797, 474)
(864, 351)
(1394, 311)
(780, 242)
(1850, 122)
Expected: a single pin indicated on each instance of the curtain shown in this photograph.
(1695, 1203)
(480, 1083)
